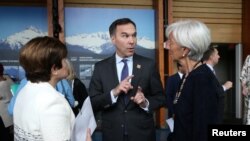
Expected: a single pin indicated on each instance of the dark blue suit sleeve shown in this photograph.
(172, 86)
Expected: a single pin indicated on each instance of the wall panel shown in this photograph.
(223, 17)
(23, 2)
(111, 3)
(246, 28)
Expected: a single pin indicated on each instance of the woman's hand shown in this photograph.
(244, 89)
(88, 137)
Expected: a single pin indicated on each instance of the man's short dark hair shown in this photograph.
(208, 53)
(112, 27)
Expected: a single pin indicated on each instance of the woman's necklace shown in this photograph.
(178, 93)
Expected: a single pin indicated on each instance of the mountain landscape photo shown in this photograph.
(94, 46)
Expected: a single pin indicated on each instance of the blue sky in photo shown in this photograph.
(77, 20)
(91, 20)
(16, 19)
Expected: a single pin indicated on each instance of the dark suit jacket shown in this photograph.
(139, 123)
(80, 94)
(198, 105)
(220, 90)
(172, 86)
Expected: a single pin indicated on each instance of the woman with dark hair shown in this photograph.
(41, 112)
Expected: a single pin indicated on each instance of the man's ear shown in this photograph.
(112, 39)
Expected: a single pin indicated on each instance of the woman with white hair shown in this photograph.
(197, 101)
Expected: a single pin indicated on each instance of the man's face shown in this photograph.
(215, 57)
(125, 40)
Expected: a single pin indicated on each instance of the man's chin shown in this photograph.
(131, 53)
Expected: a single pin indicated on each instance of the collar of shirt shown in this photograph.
(119, 59)
(180, 74)
(211, 67)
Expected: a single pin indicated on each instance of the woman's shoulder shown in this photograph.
(203, 71)
(53, 101)
(43, 93)
(51, 94)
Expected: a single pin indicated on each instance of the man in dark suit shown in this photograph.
(127, 104)
(211, 58)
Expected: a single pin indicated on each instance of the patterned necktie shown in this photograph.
(124, 73)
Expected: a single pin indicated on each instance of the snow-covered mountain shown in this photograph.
(146, 43)
(17, 40)
(92, 42)
(98, 43)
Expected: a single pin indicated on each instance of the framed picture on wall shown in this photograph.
(19, 25)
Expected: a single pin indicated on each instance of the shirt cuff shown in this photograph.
(147, 106)
(113, 98)
(224, 88)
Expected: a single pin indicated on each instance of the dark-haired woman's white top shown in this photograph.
(42, 114)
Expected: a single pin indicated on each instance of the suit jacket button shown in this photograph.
(122, 125)
(125, 111)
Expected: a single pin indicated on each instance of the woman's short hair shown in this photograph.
(191, 34)
(40, 55)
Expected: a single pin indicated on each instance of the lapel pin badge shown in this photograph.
(138, 66)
